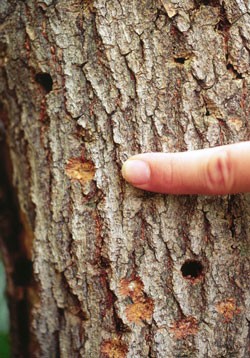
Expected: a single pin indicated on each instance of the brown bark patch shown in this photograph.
(114, 348)
(228, 309)
(132, 288)
(142, 307)
(140, 311)
(27, 236)
(185, 327)
(76, 169)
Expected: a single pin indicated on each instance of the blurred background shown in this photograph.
(4, 316)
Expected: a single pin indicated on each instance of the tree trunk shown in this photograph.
(95, 267)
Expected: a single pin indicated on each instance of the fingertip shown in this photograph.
(136, 172)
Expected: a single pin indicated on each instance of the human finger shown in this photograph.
(219, 170)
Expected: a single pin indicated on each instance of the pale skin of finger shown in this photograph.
(214, 171)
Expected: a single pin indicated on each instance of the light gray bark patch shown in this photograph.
(127, 77)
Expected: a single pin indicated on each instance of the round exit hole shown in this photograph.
(45, 80)
(192, 269)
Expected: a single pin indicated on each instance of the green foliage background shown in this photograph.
(4, 317)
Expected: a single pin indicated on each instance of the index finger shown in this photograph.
(219, 170)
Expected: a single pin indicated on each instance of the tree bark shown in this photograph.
(95, 267)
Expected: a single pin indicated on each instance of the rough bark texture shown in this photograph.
(98, 268)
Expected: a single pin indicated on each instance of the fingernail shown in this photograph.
(136, 171)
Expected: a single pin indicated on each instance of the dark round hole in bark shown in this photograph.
(192, 269)
(45, 80)
(180, 60)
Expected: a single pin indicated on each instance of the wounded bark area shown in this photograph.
(114, 271)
